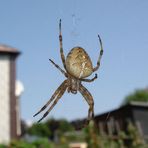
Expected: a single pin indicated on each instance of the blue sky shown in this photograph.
(32, 27)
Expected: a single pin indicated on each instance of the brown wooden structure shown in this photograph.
(111, 123)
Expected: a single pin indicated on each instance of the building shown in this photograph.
(8, 100)
(112, 122)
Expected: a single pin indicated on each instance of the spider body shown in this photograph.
(78, 63)
(77, 66)
(73, 84)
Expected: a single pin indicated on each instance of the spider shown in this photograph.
(77, 66)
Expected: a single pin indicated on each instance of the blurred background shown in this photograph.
(29, 32)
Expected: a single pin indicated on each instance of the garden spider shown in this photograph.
(78, 66)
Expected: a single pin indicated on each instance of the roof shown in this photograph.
(132, 104)
(8, 49)
(139, 103)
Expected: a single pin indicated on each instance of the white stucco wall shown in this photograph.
(4, 99)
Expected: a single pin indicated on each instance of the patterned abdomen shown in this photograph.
(78, 63)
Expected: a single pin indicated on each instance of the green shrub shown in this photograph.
(2, 146)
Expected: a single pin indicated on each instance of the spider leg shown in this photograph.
(100, 56)
(58, 67)
(90, 80)
(55, 102)
(52, 98)
(61, 45)
(89, 99)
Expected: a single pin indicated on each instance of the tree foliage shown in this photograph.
(65, 126)
(50, 127)
(40, 130)
(140, 95)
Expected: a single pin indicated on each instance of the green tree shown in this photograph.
(65, 126)
(53, 125)
(50, 128)
(39, 129)
(140, 95)
(58, 127)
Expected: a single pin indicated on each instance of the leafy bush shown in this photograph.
(2, 146)
(41, 143)
(20, 144)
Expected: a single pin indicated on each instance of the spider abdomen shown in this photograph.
(78, 63)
